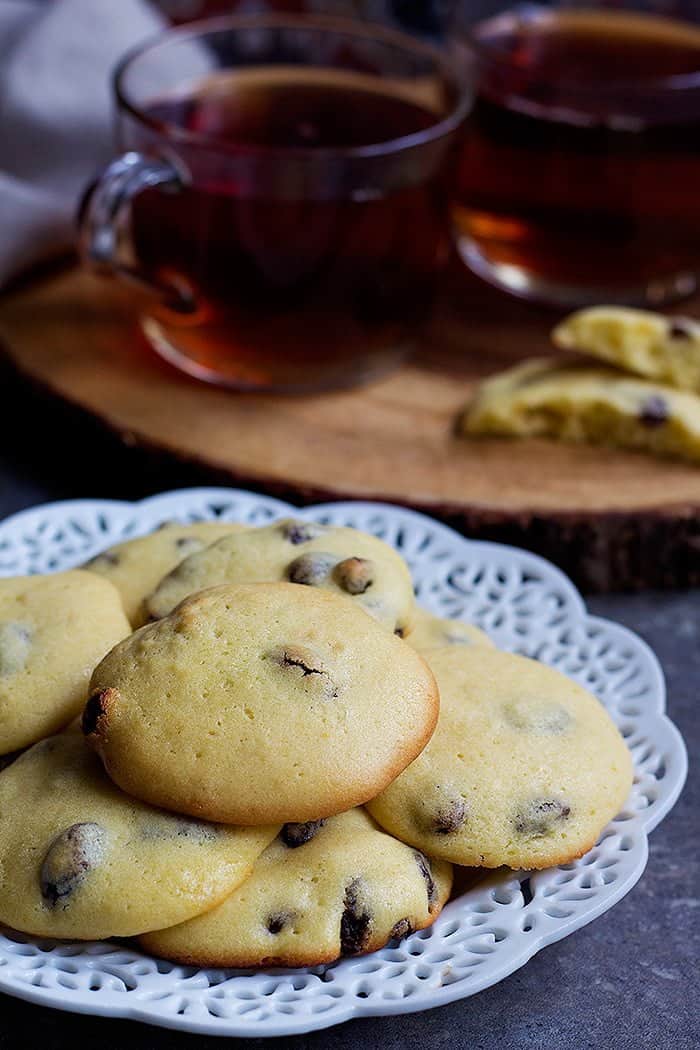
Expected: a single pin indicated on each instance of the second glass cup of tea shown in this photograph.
(579, 177)
(282, 193)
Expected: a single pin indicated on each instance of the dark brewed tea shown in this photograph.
(282, 268)
(580, 168)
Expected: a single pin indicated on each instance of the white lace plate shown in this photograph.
(527, 606)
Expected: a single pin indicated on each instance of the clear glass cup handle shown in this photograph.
(104, 229)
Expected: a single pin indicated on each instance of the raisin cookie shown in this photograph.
(80, 859)
(344, 561)
(53, 630)
(525, 768)
(344, 889)
(136, 566)
(260, 703)
(435, 632)
(578, 403)
(666, 349)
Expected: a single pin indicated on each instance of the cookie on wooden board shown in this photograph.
(586, 404)
(666, 349)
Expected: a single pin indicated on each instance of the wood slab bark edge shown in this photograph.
(615, 549)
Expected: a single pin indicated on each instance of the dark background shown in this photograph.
(629, 980)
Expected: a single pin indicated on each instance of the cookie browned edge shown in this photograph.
(94, 721)
(103, 700)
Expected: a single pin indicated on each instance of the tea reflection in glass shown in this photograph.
(580, 168)
(287, 197)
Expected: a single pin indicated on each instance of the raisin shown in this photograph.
(426, 871)
(654, 411)
(354, 575)
(277, 922)
(297, 532)
(355, 922)
(680, 329)
(305, 664)
(311, 569)
(539, 815)
(71, 857)
(294, 835)
(450, 817)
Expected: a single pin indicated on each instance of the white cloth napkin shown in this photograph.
(56, 114)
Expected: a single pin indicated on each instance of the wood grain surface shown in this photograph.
(613, 520)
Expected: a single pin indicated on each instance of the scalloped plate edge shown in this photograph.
(113, 1004)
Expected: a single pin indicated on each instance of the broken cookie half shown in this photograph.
(665, 349)
(584, 404)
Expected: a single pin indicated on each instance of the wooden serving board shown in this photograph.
(612, 520)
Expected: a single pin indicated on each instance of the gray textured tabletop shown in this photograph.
(630, 979)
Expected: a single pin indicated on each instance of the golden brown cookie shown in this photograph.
(345, 561)
(53, 631)
(80, 859)
(666, 349)
(585, 404)
(525, 768)
(346, 889)
(435, 632)
(260, 703)
(136, 566)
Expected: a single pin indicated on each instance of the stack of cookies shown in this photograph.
(283, 761)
